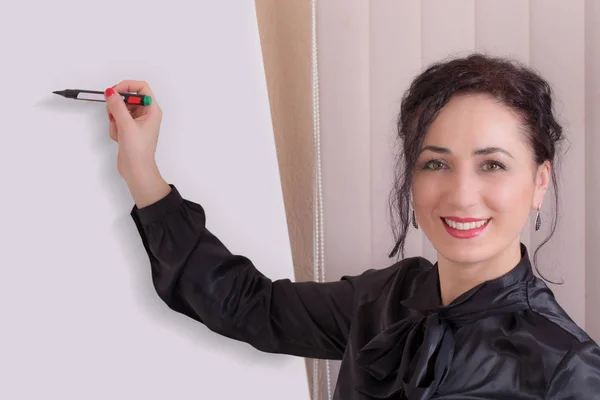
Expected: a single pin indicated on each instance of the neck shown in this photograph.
(456, 278)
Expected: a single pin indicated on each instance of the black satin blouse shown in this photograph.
(505, 339)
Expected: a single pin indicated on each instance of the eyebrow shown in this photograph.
(478, 152)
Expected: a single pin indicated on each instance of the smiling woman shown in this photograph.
(479, 140)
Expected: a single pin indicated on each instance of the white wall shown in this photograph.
(79, 315)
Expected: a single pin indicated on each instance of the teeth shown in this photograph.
(465, 226)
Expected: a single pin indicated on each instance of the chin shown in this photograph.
(464, 251)
(463, 254)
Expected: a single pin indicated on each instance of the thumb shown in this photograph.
(116, 106)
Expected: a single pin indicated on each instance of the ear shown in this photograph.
(543, 177)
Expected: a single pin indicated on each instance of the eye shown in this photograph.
(434, 165)
(493, 166)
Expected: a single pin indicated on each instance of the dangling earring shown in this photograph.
(414, 220)
(538, 220)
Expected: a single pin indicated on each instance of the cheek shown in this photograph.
(426, 192)
(510, 196)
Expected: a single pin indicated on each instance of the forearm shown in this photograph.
(147, 186)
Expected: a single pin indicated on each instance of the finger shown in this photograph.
(117, 107)
(134, 110)
(140, 87)
(113, 130)
(130, 86)
(141, 112)
(130, 107)
(137, 111)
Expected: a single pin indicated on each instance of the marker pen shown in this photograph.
(94, 95)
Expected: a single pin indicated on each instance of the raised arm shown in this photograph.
(196, 275)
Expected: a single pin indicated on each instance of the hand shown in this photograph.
(135, 128)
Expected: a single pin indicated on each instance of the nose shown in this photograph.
(462, 189)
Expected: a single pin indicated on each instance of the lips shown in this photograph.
(465, 228)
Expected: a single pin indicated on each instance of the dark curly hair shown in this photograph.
(507, 81)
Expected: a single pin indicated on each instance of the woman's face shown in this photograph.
(475, 180)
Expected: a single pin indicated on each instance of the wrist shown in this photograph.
(147, 186)
(142, 171)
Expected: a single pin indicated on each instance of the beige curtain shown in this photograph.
(285, 33)
(368, 53)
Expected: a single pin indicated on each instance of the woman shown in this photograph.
(479, 142)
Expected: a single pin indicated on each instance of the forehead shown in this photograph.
(477, 120)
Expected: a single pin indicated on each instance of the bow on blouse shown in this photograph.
(414, 354)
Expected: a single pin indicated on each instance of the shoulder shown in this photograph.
(374, 282)
(568, 352)
(550, 317)
(577, 375)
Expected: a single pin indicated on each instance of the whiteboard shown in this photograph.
(80, 317)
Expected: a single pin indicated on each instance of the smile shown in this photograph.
(466, 228)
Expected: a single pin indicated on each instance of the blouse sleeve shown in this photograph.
(577, 376)
(196, 275)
